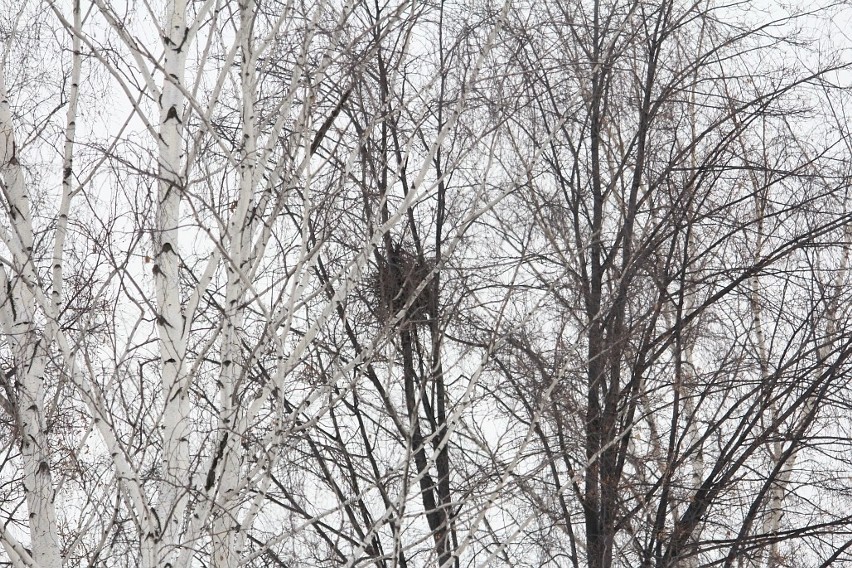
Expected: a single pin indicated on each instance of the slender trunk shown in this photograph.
(228, 534)
(596, 352)
(67, 161)
(171, 326)
(436, 516)
(29, 351)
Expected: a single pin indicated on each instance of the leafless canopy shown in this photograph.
(425, 284)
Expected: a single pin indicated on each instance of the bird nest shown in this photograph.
(395, 287)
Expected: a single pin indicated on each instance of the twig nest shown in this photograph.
(395, 285)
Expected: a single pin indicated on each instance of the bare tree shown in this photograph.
(671, 425)
(421, 284)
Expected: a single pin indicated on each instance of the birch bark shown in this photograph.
(27, 331)
(227, 531)
(28, 346)
(171, 325)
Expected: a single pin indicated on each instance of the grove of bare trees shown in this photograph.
(406, 284)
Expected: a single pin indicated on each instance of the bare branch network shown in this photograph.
(407, 284)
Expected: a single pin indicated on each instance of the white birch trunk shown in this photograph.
(775, 507)
(227, 531)
(28, 349)
(686, 389)
(171, 326)
(67, 162)
(688, 362)
(772, 520)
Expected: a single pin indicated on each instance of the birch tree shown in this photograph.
(659, 384)
(30, 305)
(217, 254)
(422, 284)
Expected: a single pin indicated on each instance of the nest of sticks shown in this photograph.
(395, 286)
